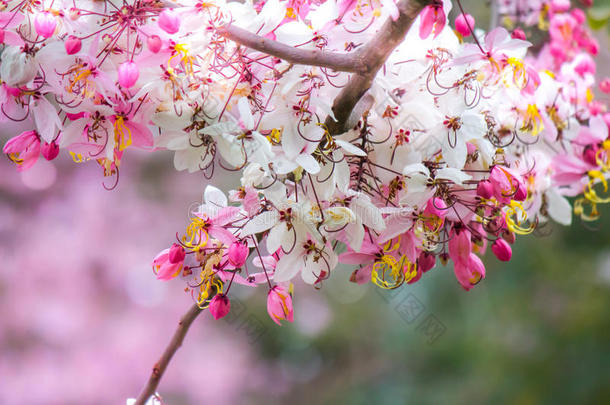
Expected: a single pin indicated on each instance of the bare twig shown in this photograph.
(343, 62)
(374, 55)
(159, 368)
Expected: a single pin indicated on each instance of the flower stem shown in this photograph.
(159, 368)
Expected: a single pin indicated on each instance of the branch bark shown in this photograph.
(342, 62)
(374, 55)
(160, 367)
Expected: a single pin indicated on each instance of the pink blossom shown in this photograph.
(220, 306)
(164, 269)
(464, 23)
(501, 250)
(469, 273)
(279, 304)
(432, 19)
(73, 45)
(176, 254)
(238, 253)
(154, 43)
(128, 74)
(23, 149)
(50, 150)
(45, 24)
(518, 33)
(460, 246)
(426, 261)
(604, 85)
(169, 21)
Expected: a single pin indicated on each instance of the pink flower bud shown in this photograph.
(485, 189)
(426, 261)
(50, 150)
(464, 23)
(176, 254)
(220, 306)
(128, 74)
(154, 43)
(74, 13)
(73, 45)
(437, 207)
(169, 21)
(238, 253)
(604, 86)
(502, 250)
(590, 155)
(518, 34)
(45, 24)
(279, 305)
(2, 36)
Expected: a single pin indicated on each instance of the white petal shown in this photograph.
(350, 148)
(559, 207)
(260, 223)
(288, 267)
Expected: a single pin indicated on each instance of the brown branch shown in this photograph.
(374, 55)
(159, 368)
(343, 62)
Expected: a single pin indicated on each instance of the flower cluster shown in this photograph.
(366, 132)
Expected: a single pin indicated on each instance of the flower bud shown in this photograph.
(426, 261)
(502, 250)
(279, 305)
(169, 21)
(2, 36)
(50, 150)
(436, 206)
(176, 254)
(485, 189)
(238, 253)
(128, 74)
(73, 45)
(518, 34)
(154, 43)
(464, 23)
(45, 24)
(220, 306)
(604, 86)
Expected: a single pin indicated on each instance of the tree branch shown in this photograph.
(159, 368)
(374, 55)
(342, 62)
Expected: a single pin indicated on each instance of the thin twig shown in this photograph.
(160, 367)
(374, 55)
(342, 62)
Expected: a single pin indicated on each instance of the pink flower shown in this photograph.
(238, 253)
(502, 250)
(485, 189)
(470, 273)
(426, 261)
(220, 306)
(73, 45)
(23, 149)
(154, 43)
(176, 254)
(50, 150)
(507, 184)
(460, 246)
(128, 74)
(279, 304)
(164, 269)
(432, 19)
(604, 86)
(45, 24)
(464, 23)
(169, 21)
(518, 33)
